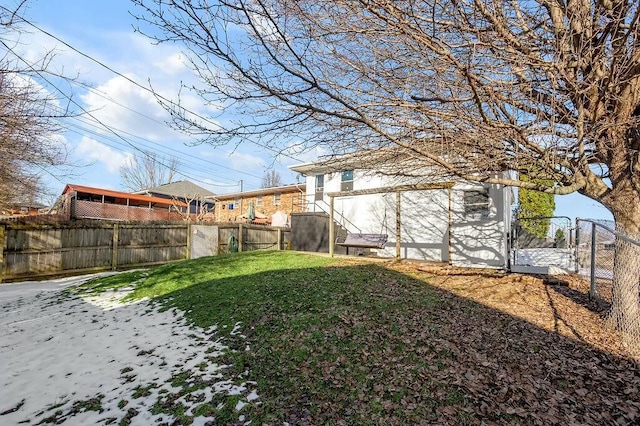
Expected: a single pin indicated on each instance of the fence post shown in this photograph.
(114, 253)
(592, 286)
(188, 240)
(3, 247)
(279, 231)
(332, 228)
(576, 244)
(240, 239)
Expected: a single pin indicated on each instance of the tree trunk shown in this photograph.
(625, 303)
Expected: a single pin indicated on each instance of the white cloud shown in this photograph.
(123, 106)
(92, 150)
(172, 65)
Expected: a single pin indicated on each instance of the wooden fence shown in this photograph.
(40, 250)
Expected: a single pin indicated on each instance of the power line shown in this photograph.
(107, 67)
(178, 154)
(84, 110)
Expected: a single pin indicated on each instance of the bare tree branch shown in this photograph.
(146, 170)
(464, 88)
(29, 119)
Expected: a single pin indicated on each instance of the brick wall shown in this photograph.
(267, 204)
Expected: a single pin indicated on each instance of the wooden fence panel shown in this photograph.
(260, 239)
(151, 244)
(31, 263)
(141, 255)
(226, 231)
(87, 237)
(33, 250)
(86, 258)
(33, 239)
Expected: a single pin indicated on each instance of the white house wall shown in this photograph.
(425, 219)
(424, 227)
(479, 242)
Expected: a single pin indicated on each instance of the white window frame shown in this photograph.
(346, 184)
(319, 188)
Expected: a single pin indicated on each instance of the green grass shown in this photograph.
(315, 325)
(341, 342)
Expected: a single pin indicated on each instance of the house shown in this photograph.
(266, 201)
(84, 202)
(198, 198)
(460, 222)
(22, 209)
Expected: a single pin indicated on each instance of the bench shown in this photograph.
(376, 241)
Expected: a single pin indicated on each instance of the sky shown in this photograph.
(120, 118)
(123, 118)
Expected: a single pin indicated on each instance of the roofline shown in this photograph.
(312, 167)
(155, 190)
(117, 194)
(262, 191)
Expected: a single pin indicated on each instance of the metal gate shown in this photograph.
(204, 241)
(543, 245)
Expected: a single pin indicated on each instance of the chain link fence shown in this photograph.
(604, 251)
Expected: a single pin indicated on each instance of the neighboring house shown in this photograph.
(463, 223)
(196, 196)
(83, 202)
(22, 209)
(267, 201)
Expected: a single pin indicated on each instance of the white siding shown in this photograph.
(478, 242)
(425, 217)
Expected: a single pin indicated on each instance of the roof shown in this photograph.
(402, 161)
(178, 189)
(362, 159)
(263, 191)
(117, 194)
(30, 204)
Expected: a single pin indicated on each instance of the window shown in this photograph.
(319, 187)
(276, 199)
(259, 200)
(346, 181)
(476, 204)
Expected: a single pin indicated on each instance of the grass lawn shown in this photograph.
(336, 341)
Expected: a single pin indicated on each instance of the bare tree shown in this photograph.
(270, 179)
(29, 119)
(147, 170)
(201, 208)
(474, 87)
